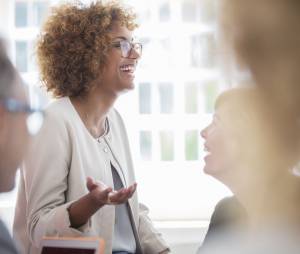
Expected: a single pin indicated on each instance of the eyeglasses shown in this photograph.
(35, 116)
(126, 47)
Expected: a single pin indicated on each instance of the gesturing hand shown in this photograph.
(121, 196)
(104, 195)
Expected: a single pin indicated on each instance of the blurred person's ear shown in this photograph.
(3, 125)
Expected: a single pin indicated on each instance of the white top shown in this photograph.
(54, 175)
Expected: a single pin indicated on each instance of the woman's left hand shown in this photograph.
(121, 196)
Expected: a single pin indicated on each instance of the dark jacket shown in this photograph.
(227, 225)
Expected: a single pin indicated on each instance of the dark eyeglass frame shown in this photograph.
(15, 106)
(35, 116)
(137, 46)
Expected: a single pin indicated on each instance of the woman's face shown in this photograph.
(220, 145)
(119, 72)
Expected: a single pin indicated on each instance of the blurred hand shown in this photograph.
(104, 195)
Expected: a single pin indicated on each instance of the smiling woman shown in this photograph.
(84, 34)
(78, 178)
(251, 151)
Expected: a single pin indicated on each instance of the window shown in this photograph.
(166, 97)
(164, 12)
(189, 11)
(191, 98)
(146, 145)
(166, 146)
(30, 13)
(203, 51)
(21, 14)
(191, 145)
(145, 103)
(22, 56)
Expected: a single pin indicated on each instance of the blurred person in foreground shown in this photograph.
(250, 151)
(263, 37)
(79, 178)
(15, 130)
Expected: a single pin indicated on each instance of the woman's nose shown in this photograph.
(203, 133)
(135, 54)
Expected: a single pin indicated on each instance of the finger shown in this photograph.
(90, 183)
(115, 196)
(121, 196)
(132, 189)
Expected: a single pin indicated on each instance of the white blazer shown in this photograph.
(54, 175)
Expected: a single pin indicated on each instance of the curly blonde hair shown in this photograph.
(73, 45)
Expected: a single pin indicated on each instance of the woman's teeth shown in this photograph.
(127, 68)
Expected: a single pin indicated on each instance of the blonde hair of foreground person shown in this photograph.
(265, 37)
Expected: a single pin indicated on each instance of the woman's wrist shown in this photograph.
(81, 210)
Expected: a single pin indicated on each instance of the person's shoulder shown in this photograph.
(60, 110)
(114, 114)
(228, 210)
(58, 107)
(115, 118)
(227, 220)
(59, 114)
(228, 203)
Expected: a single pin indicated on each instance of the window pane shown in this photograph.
(191, 98)
(191, 145)
(146, 145)
(210, 95)
(32, 65)
(39, 12)
(203, 51)
(21, 14)
(144, 16)
(147, 59)
(145, 98)
(166, 97)
(164, 12)
(167, 145)
(21, 56)
(189, 11)
(207, 10)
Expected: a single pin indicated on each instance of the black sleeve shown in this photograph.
(227, 215)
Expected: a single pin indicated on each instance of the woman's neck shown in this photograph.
(93, 109)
